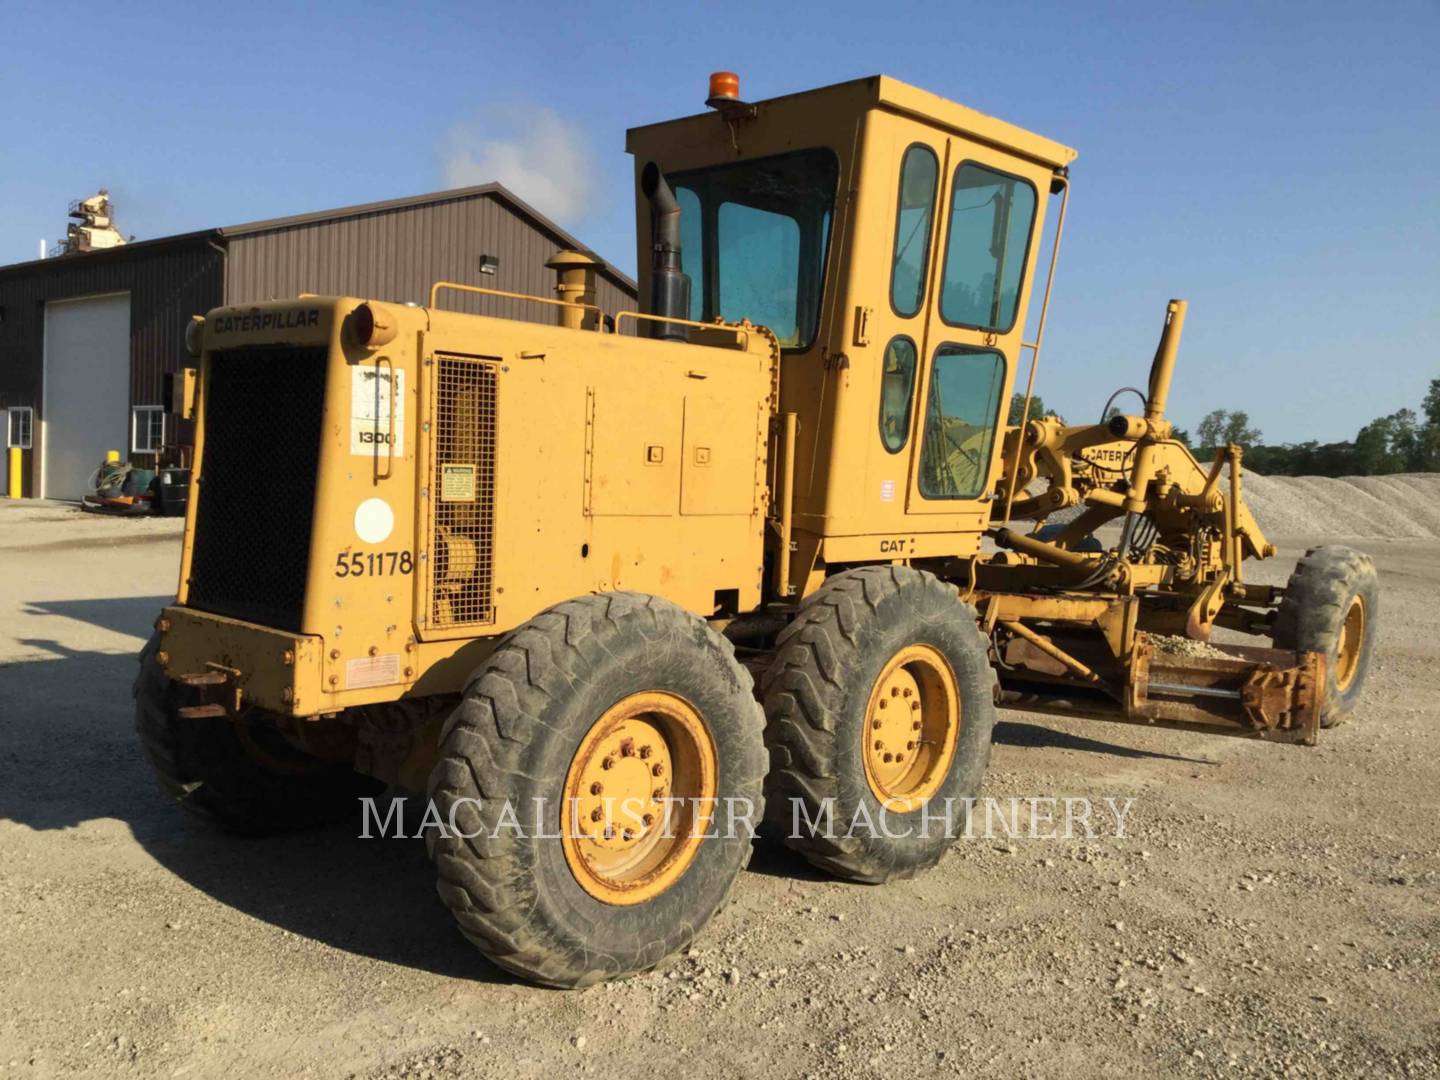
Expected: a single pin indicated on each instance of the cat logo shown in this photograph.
(892, 547)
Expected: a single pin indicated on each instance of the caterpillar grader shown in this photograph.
(613, 588)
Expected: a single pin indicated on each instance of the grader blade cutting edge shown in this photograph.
(1270, 694)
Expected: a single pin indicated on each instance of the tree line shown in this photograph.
(1404, 441)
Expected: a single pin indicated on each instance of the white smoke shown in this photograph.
(536, 153)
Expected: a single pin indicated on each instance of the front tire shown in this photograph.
(597, 701)
(870, 644)
(1330, 606)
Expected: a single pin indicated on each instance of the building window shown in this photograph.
(20, 427)
(147, 429)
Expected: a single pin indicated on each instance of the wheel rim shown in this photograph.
(1352, 642)
(639, 797)
(912, 722)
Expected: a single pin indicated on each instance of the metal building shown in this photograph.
(86, 340)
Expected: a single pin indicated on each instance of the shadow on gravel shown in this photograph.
(68, 755)
(1016, 733)
(771, 858)
(125, 615)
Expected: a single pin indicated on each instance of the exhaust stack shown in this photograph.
(669, 286)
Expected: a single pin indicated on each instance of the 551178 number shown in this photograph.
(373, 563)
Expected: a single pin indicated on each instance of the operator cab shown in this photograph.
(888, 238)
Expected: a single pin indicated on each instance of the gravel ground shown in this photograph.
(1270, 910)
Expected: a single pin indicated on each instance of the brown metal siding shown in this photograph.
(390, 252)
(167, 282)
(397, 254)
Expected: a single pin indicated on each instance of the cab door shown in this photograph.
(909, 168)
(989, 223)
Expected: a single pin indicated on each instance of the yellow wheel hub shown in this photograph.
(912, 723)
(639, 796)
(1352, 642)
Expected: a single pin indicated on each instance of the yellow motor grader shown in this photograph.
(536, 570)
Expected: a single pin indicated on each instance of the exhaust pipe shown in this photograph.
(669, 286)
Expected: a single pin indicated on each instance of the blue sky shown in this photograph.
(1273, 163)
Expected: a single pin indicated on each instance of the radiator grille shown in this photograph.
(256, 501)
(463, 490)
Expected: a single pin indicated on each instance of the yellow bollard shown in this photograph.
(14, 489)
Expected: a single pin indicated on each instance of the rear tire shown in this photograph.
(864, 635)
(534, 718)
(239, 774)
(1330, 606)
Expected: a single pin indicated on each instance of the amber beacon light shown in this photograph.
(724, 86)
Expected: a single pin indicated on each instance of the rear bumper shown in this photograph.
(238, 663)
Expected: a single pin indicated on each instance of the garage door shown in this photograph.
(87, 390)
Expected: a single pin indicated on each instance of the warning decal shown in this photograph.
(371, 412)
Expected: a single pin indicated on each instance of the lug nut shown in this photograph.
(889, 758)
(876, 725)
(628, 834)
(906, 692)
(915, 705)
(879, 745)
(644, 752)
(609, 832)
(899, 757)
(909, 746)
(627, 748)
(648, 819)
(608, 763)
(894, 691)
(595, 788)
(597, 814)
(915, 725)
(883, 703)
(658, 794)
(657, 769)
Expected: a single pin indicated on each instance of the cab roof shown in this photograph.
(884, 92)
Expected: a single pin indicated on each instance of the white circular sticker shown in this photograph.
(374, 521)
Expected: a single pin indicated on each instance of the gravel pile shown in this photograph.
(1403, 506)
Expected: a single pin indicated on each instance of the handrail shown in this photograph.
(787, 505)
(391, 435)
(435, 293)
(742, 335)
(1035, 346)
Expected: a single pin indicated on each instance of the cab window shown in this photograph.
(897, 393)
(754, 237)
(690, 248)
(960, 419)
(919, 172)
(990, 218)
